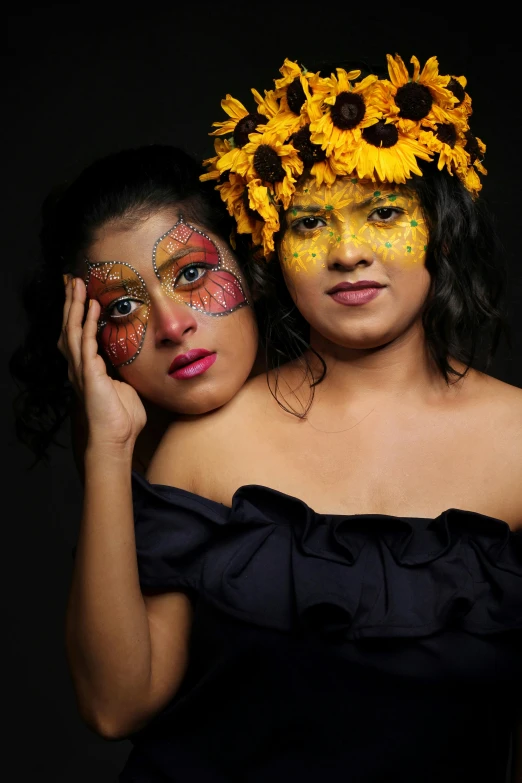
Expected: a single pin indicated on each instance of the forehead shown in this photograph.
(132, 242)
(347, 191)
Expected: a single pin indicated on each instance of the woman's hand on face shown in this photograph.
(115, 413)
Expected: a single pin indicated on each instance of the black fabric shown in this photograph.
(362, 649)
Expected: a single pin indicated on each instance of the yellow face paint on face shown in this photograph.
(386, 220)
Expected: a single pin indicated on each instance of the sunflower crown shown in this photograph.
(336, 126)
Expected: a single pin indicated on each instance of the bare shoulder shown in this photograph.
(193, 446)
(502, 399)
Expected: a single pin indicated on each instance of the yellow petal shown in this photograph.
(233, 108)
(397, 70)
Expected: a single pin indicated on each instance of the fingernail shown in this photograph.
(74, 282)
(90, 303)
(65, 279)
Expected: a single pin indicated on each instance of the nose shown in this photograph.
(172, 321)
(349, 251)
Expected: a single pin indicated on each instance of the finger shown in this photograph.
(73, 330)
(62, 340)
(89, 347)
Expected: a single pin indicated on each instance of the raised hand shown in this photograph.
(114, 411)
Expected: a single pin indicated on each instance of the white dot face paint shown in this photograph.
(194, 271)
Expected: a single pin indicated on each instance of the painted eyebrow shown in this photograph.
(123, 280)
(361, 205)
(372, 200)
(307, 208)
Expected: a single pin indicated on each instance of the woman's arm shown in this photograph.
(127, 653)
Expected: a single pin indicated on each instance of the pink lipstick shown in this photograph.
(194, 362)
(355, 293)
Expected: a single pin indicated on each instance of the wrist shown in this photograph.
(100, 451)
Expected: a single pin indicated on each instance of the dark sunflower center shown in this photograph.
(245, 126)
(381, 134)
(414, 101)
(472, 146)
(447, 133)
(308, 152)
(348, 111)
(268, 164)
(457, 89)
(295, 95)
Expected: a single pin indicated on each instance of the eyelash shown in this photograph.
(186, 269)
(298, 226)
(124, 317)
(387, 209)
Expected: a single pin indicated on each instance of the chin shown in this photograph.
(366, 340)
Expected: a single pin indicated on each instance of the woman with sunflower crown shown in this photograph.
(350, 533)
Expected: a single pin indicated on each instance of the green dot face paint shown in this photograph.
(388, 222)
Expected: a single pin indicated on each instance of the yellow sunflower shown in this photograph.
(449, 145)
(259, 199)
(457, 85)
(383, 153)
(346, 110)
(469, 177)
(242, 122)
(221, 147)
(323, 173)
(277, 164)
(231, 192)
(289, 71)
(424, 99)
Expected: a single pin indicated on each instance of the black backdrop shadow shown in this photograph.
(84, 80)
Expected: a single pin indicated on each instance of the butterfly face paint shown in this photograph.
(387, 220)
(194, 271)
(125, 307)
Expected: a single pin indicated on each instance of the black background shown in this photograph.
(84, 80)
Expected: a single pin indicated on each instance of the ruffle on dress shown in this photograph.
(272, 561)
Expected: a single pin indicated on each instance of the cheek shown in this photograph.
(122, 343)
(305, 253)
(403, 244)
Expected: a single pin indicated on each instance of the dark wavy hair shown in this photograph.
(462, 316)
(126, 185)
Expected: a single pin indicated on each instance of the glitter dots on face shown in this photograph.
(192, 271)
(125, 307)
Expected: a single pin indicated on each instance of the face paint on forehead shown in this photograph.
(118, 285)
(349, 192)
(185, 250)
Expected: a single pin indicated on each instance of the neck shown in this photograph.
(401, 367)
(148, 440)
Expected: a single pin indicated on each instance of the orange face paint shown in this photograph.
(125, 306)
(193, 271)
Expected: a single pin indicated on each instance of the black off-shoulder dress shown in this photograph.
(329, 648)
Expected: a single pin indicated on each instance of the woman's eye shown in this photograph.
(190, 275)
(123, 307)
(309, 223)
(383, 214)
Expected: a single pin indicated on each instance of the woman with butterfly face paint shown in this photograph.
(157, 322)
(144, 235)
